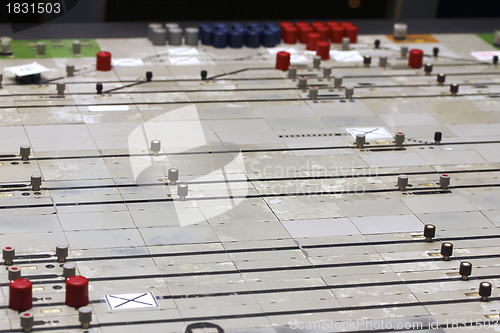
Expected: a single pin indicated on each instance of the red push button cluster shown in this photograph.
(330, 31)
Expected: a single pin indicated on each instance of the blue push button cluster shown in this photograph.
(253, 35)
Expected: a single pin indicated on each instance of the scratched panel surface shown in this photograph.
(303, 231)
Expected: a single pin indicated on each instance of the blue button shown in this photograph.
(236, 39)
(254, 26)
(207, 36)
(220, 39)
(253, 38)
(237, 26)
(268, 38)
(221, 26)
(201, 28)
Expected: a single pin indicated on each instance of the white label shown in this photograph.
(346, 56)
(183, 51)
(127, 62)
(184, 61)
(371, 133)
(102, 108)
(131, 301)
(298, 59)
(485, 55)
(30, 69)
(274, 50)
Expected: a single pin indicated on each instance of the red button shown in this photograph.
(416, 58)
(301, 24)
(332, 23)
(77, 291)
(346, 24)
(352, 33)
(20, 295)
(283, 25)
(304, 31)
(312, 39)
(337, 34)
(103, 59)
(282, 60)
(291, 35)
(323, 49)
(324, 32)
(317, 24)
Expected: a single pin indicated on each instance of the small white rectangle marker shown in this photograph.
(183, 51)
(371, 133)
(485, 55)
(346, 56)
(184, 60)
(29, 69)
(131, 301)
(104, 108)
(127, 62)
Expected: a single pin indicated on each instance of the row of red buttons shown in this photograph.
(332, 30)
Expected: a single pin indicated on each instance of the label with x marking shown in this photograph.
(131, 301)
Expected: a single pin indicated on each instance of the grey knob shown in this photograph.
(399, 138)
(175, 36)
(465, 270)
(404, 51)
(1, 78)
(36, 182)
(85, 316)
(429, 232)
(346, 42)
(70, 70)
(159, 37)
(182, 191)
(27, 321)
(382, 61)
(349, 92)
(14, 272)
(292, 72)
(400, 30)
(155, 146)
(302, 82)
(60, 88)
(25, 152)
(484, 290)
(367, 60)
(8, 254)
(454, 88)
(191, 36)
(6, 45)
(446, 250)
(313, 93)
(61, 252)
(441, 78)
(151, 27)
(77, 47)
(173, 176)
(444, 181)
(40, 48)
(69, 270)
(327, 71)
(360, 140)
(428, 68)
(337, 81)
(171, 25)
(402, 182)
(316, 61)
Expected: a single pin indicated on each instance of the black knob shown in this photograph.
(204, 74)
(441, 77)
(429, 232)
(446, 250)
(377, 43)
(438, 136)
(495, 59)
(435, 51)
(485, 290)
(465, 269)
(98, 87)
(367, 60)
(149, 76)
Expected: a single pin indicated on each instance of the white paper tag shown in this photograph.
(371, 133)
(298, 59)
(103, 108)
(184, 60)
(30, 69)
(274, 50)
(127, 62)
(183, 51)
(485, 55)
(346, 56)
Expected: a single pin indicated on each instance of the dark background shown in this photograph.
(247, 10)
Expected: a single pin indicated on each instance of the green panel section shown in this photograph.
(488, 38)
(54, 48)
